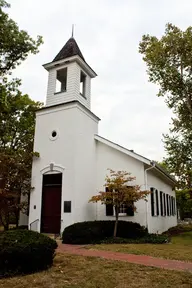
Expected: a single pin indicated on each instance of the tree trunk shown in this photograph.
(116, 222)
(4, 219)
(6, 227)
(5, 223)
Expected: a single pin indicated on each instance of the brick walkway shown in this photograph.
(137, 259)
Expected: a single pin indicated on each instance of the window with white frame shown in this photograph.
(154, 202)
(124, 209)
(162, 204)
(167, 204)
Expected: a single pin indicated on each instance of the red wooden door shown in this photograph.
(51, 209)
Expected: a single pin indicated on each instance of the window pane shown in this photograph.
(130, 210)
(52, 179)
(123, 209)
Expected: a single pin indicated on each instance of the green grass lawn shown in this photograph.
(71, 271)
(180, 248)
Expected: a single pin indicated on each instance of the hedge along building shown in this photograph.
(74, 159)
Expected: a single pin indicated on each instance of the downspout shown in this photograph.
(146, 186)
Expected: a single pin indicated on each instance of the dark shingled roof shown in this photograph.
(69, 49)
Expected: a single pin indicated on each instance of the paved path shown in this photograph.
(137, 259)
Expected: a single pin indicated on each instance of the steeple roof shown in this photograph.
(69, 49)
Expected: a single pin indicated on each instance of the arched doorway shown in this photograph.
(51, 203)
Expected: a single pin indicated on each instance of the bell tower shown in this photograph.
(63, 176)
(69, 77)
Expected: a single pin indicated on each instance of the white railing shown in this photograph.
(34, 225)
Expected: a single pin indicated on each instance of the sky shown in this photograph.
(108, 33)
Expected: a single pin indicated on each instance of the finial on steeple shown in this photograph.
(72, 30)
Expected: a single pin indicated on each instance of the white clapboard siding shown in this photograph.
(73, 87)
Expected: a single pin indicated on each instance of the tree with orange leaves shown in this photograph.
(119, 192)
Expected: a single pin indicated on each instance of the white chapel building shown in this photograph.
(74, 159)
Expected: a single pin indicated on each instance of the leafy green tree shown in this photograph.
(179, 160)
(179, 163)
(15, 44)
(17, 120)
(184, 203)
(169, 65)
(17, 124)
(164, 166)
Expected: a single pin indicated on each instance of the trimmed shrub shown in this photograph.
(181, 228)
(156, 239)
(151, 238)
(21, 227)
(23, 251)
(95, 231)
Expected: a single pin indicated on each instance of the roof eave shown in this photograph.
(70, 103)
(122, 149)
(76, 58)
(135, 156)
(165, 173)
